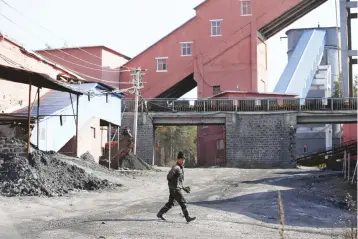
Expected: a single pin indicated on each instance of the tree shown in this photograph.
(338, 87)
(171, 139)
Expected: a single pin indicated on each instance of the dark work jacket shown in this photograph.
(175, 177)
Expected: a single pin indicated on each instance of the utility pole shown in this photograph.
(137, 84)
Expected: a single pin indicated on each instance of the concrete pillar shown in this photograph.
(145, 135)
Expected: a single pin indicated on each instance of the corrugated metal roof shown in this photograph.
(54, 101)
(50, 103)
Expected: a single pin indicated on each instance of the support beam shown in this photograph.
(77, 113)
(29, 118)
(119, 166)
(38, 118)
(109, 144)
(344, 47)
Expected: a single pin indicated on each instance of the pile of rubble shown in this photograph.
(132, 161)
(87, 156)
(44, 174)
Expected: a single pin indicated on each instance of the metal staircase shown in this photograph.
(329, 157)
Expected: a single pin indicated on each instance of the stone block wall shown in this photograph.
(260, 140)
(11, 146)
(145, 137)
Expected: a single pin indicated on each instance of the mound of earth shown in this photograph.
(87, 156)
(132, 161)
(45, 174)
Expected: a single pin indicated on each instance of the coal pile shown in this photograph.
(87, 157)
(44, 174)
(132, 161)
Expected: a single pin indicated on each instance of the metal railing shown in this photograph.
(242, 105)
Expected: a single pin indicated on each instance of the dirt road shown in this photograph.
(228, 203)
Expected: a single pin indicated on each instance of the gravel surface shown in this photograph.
(228, 203)
(45, 174)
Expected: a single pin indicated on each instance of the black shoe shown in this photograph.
(160, 216)
(189, 219)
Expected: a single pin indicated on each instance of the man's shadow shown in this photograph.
(127, 220)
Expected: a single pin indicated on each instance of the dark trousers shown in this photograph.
(175, 194)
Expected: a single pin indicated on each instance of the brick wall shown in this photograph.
(12, 146)
(145, 145)
(260, 141)
(252, 140)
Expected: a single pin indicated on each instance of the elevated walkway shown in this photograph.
(215, 111)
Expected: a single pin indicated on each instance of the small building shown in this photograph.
(94, 63)
(57, 127)
(211, 139)
(57, 111)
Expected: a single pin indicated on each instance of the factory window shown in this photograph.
(216, 89)
(216, 27)
(245, 8)
(93, 129)
(162, 64)
(186, 48)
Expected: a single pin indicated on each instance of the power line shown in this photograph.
(32, 34)
(25, 16)
(102, 70)
(8, 60)
(82, 74)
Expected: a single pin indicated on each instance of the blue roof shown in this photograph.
(54, 101)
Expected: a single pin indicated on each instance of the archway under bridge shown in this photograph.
(203, 145)
(260, 140)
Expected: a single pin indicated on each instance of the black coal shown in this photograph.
(44, 174)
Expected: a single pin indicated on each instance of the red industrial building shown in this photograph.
(221, 49)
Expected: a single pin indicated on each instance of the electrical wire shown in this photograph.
(79, 73)
(102, 70)
(33, 35)
(25, 16)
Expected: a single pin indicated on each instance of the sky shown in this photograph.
(130, 26)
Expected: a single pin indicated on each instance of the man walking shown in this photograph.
(175, 179)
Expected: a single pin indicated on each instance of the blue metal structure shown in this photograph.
(302, 64)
